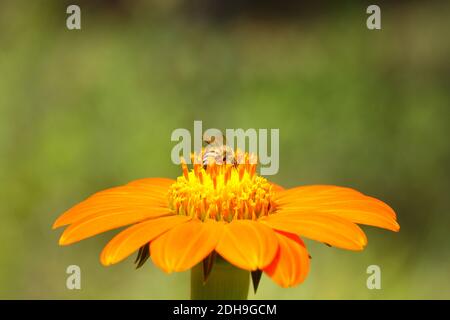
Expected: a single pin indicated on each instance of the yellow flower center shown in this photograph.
(222, 192)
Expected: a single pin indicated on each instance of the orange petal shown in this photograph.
(314, 192)
(108, 220)
(134, 237)
(248, 244)
(343, 202)
(162, 182)
(277, 187)
(330, 229)
(185, 245)
(291, 264)
(136, 195)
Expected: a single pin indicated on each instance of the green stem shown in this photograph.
(225, 282)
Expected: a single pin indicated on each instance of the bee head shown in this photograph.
(214, 140)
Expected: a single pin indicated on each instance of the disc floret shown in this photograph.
(222, 192)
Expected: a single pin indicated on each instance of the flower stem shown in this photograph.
(225, 282)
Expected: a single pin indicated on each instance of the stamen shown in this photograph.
(185, 168)
(241, 171)
(227, 174)
(252, 170)
(222, 191)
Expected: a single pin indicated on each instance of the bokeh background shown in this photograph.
(84, 110)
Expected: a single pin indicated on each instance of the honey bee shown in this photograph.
(220, 152)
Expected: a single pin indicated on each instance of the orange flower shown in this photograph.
(230, 210)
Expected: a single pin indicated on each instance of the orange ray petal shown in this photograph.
(248, 244)
(135, 195)
(330, 229)
(277, 187)
(316, 191)
(342, 202)
(134, 237)
(185, 245)
(108, 220)
(291, 264)
(162, 182)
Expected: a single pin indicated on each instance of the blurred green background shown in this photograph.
(84, 110)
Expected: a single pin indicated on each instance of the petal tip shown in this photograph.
(57, 224)
(105, 261)
(396, 227)
(63, 241)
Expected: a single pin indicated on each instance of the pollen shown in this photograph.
(222, 192)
